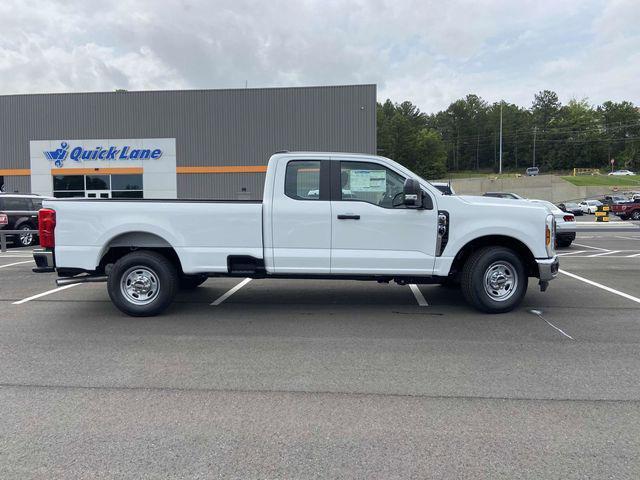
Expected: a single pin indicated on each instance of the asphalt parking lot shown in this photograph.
(326, 379)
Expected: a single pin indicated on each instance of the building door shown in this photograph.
(97, 194)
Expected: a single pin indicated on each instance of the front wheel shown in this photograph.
(635, 215)
(142, 284)
(494, 280)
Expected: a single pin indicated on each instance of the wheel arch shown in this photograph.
(495, 241)
(124, 243)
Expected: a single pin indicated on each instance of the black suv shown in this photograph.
(25, 218)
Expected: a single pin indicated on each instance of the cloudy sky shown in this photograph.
(429, 52)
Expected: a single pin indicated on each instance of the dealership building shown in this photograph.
(208, 144)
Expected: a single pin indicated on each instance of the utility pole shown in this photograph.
(516, 149)
(535, 131)
(478, 152)
(500, 168)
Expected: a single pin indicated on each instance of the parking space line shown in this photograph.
(564, 254)
(418, 294)
(223, 297)
(15, 263)
(634, 255)
(599, 285)
(49, 292)
(603, 253)
(589, 246)
(627, 238)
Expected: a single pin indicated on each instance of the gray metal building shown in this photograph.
(218, 140)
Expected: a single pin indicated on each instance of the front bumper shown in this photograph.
(548, 268)
(45, 261)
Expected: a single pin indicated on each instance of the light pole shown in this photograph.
(500, 168)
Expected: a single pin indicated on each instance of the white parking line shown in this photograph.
(15, 263)
(589, 246)
(49, 292)
(14, 255)
(222, 298)
(418, 294)
(634, 255)
(599, 285)
(603, 253)
(564, 254)
(627, 238)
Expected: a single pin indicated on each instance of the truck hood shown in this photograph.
(494, 201)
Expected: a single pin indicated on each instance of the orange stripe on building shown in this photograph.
(11, 172)
(93, 171)
(225, 169)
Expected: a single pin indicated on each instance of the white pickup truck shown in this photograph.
(324, 215)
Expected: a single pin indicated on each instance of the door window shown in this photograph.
(17, 204)
(370, 182)
(302, 180)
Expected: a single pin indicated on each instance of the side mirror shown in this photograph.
(412, 193)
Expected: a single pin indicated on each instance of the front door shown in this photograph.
(369, 234)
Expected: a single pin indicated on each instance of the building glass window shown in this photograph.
(126, 182)
(97, 182)
(302, 180)
(68, 182)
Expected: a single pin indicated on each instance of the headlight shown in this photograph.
(550, 235)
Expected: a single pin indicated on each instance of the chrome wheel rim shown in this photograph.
(500, 281)
(26, 238)
(140, 285)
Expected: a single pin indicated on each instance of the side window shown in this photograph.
(36, 204)
(17, 204)
(370, 182)
(302, 180)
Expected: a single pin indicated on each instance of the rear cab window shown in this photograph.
(302, 180)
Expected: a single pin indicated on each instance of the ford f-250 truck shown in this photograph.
(323, 215)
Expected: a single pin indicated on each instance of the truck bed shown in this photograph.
(202, 232)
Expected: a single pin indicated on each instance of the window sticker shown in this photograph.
(368, 180)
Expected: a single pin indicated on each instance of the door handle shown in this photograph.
(348, 217)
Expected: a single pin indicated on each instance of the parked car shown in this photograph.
(392, 226)
(621, 172)
(590, 206)
(629, 210)
(445, 188)
(565, 224)
(532, 171)
(513, 196)
(613, 199)
(571, 207)
(25, 217)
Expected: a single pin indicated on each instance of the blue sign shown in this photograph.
(81, 154)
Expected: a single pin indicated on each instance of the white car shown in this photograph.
(565, 224)
(323, 215)
(621, 172)
(590, 206)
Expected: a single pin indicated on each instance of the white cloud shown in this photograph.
(427, 51)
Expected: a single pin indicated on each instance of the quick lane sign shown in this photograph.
(109, 153)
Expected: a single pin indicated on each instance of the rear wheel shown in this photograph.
(142, 284)
(564, 243)
(494, 280)
(635, 215)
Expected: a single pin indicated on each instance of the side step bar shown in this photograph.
(83, 279)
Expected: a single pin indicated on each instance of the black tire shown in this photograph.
(564, 243)
(191, 282)
(157, 279)
(635, 215)
(473, 276)
(27, 239)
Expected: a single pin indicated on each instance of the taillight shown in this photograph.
(46, 227)
(4, 220)
(569, 218)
